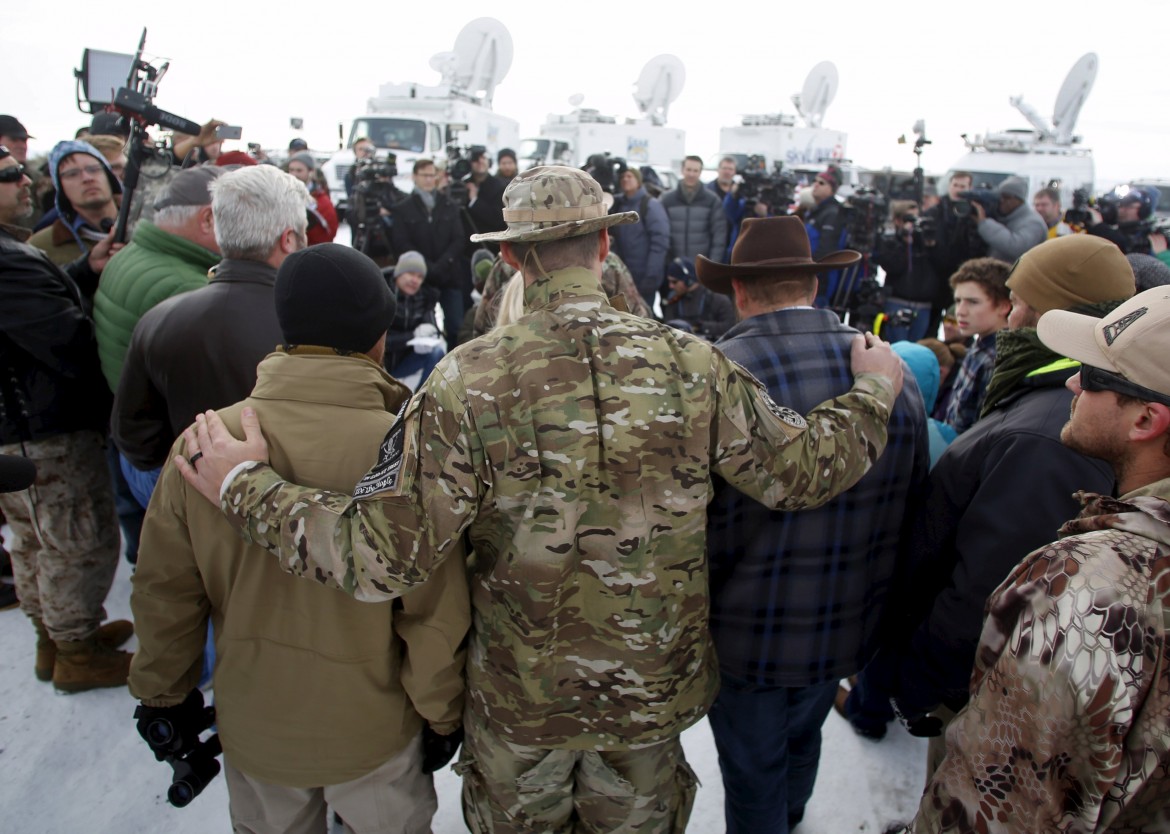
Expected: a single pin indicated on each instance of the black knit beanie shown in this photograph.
(332, 296)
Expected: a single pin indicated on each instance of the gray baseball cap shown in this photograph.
(188, 188)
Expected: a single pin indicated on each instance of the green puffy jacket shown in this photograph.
(153, 267)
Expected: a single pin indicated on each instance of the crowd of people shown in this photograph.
(558, 472)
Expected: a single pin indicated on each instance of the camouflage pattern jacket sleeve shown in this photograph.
(1068, 727)
(433, 475)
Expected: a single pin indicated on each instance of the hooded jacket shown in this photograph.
(66, 238)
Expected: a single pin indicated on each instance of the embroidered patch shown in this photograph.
(383, 477)
(787, 415)
(1115, 329)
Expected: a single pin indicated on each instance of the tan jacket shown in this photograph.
(311, 687)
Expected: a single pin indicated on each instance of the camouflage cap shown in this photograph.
(551, 202)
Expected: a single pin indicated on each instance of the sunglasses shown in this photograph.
(13, 174)
(1096, 379)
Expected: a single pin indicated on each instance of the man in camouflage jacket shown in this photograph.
(1068, 727)
(576, 447)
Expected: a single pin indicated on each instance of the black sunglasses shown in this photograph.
(14, 174)
(1096, 379)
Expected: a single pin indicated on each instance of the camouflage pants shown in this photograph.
(65, 535)
(513, 789)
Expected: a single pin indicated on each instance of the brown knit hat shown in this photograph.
(1069, 271)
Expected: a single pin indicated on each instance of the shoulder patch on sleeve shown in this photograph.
(383, 477)
(787, 415)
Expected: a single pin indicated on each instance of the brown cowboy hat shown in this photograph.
(770, 246)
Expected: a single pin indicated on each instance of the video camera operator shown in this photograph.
(912, 286)
(363, 149)
(1018, 227)
(1125, 219)
(755, 192)
(371, 205)
(485, 194)
(956, 238)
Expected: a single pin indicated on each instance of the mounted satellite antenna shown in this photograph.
(482, 57)
(659, 84)
(1072, 97)
(576, 99)
(1069, 101)
(820, 88)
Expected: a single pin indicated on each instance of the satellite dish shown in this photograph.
(658, 85)
(576, 99)
(820, 88)
(483, 56)
(1072, 96)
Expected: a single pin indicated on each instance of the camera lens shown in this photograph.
(159, 733)
(180, 794)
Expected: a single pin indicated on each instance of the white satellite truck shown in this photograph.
(803, 150)
(414, 120)
(646, 140)
(1045, 155)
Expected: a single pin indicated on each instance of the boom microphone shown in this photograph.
(16, 473)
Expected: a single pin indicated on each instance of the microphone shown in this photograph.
(16, 473)
(106, 224)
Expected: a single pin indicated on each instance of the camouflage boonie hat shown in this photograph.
(551, 202)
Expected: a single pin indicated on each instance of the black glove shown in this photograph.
(172, 732)
(438, 749)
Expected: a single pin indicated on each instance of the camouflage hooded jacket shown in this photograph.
(576, 447)
(1068, 728)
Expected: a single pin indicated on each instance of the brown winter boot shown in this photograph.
(113, 634)
(89, 664)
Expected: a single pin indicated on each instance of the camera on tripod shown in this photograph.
(173, 736)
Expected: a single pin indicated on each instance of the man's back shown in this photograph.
(307, 680)
(797, 597)
(155, 266)
(194, 352)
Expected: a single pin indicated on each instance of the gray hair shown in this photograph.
(253, 206)
(174, 217)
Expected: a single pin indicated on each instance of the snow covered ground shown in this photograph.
(74, 763)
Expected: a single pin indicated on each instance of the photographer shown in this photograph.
(826, 228)
(413, 344)
(371, 206)
(363, 149)
(912, 285)
(1124, 220)
(1018, 228)
(701, 311)
(955, 238)
(486, 195)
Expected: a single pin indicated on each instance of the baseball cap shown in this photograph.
(189, 187)
(1133, 341)
(11, 126)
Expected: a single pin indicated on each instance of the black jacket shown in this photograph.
(487, 212)
(410, 312)
(439, 237)
(193, 352)
(910, 275)
(956, 240)
(50, 377)
(1000, 491)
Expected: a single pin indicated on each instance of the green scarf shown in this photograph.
(1020, 352)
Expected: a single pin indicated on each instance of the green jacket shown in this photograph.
(153, 267)
(311, 687)
(577, 448)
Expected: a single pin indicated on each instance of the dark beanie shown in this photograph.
(333, 296)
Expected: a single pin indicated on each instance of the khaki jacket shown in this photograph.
(312, 687)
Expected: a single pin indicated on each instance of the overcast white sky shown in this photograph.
(952, 64)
